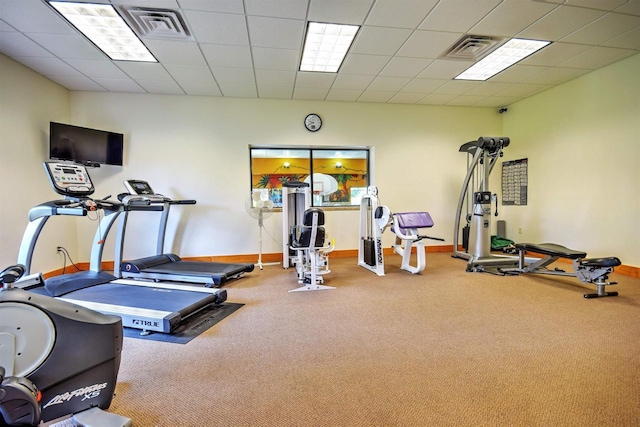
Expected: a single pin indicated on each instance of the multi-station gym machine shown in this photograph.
(477, 199)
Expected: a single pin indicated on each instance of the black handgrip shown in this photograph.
(183, 202)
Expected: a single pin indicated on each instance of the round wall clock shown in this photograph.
(313, 122)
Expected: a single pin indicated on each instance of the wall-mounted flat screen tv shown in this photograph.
(84, 145)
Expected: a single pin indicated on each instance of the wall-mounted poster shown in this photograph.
(515, 182)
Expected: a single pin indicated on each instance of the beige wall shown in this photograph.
(197, 147)
(28, 102)
(582, 140)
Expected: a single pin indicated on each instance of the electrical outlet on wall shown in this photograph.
(519, 230)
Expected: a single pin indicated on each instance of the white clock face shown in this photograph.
(313, 122)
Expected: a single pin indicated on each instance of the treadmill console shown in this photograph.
(140, 188)
(69, 179)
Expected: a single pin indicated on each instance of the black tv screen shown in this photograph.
(84, 145)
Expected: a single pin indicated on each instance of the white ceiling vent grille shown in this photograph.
(472, 48)
(156, 23)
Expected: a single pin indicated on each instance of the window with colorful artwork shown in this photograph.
(337, 176)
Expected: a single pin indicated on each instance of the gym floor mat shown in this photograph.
(192, 327)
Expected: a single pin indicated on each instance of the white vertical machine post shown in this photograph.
(373, 220)
(296, 199)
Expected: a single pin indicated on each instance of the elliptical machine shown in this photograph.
(59, 359)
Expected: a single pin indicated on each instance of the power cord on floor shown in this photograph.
(66, 256)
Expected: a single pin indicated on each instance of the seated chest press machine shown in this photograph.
(481, 158)
(375, 218)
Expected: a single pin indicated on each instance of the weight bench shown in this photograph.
(405, 226)
(587, 270)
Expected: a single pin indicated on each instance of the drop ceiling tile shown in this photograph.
(560, 22)
(77, 83)
(4, 27)
(406, 98)
(379, 40)
(276, 32)
(119, 85)
(428, 44)
(436, 99)
(220, 28)
(315, 80)
(405, 67)
(275, 92)
(375, 96)
(605, 28)
(161, 86)
(343, 95)
(423, 86)
(186, 73)
(294, 9)
(175, 52)
(308, 93)
(632, 8)
(33, 17)
(352, 82)
(223, 6)
(275, 78)
(511, 17)
(275, 59)
(554, 54)
(488, 88)
(17, 44)
(456, 87)
(388, 84)
(201, 88)
(595, 57)
(520, 90)
(339, 11)
(388, 13)
(49, 66)
(554, 75)
(364, 64)
(457, 16)
(68, 46)
(628, 40)
(239, 91)
(144, 70)
(218, 55)
(233, 76)
(104, 69)
(517, 73)
(444, 69)
(465, 100)
(597, 4)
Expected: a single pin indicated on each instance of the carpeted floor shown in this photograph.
(444, 348)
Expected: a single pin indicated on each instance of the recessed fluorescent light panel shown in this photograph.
(513, 51)
(101, 24)
(326, 45)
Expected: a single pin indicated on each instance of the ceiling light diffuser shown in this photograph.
(326, 46)
(513, 51)
(101, 24)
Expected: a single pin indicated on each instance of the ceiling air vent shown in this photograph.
(156, 23)
(472, 48)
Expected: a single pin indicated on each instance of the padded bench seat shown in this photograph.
(551, 249)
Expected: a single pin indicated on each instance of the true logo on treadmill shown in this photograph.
(140, 322)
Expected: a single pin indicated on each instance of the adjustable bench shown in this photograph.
(405, 226)
(587, 270)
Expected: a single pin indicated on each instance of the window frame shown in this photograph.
(314, 162)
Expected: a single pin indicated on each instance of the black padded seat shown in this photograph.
(551, 249)
(307, 230)
(601, 262)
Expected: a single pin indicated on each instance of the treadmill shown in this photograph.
(166, 266)
(150, 307)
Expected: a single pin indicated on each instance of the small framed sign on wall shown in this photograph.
(515, 182)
